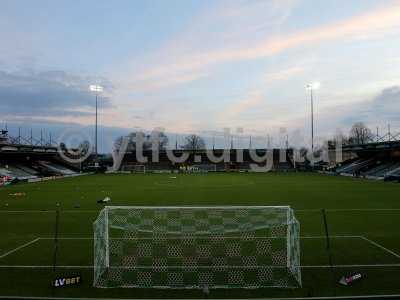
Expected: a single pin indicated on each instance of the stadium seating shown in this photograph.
(5, 172)
(283, 166)
(13, 171)
(395, 170)
(382, 170)
(355, 167)
(371, 168)
(377, 171)
(56, 168)
(27, 169)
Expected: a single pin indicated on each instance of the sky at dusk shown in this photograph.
(200, 66)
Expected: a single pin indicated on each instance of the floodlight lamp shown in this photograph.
(313, 85)
(95, 88)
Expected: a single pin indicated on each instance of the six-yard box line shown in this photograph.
(375, 244)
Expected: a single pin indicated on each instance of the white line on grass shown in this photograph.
(43, 267)
(351, 266)
(302, 237)
(49, 211)
(20, 247)
(67, 238)
(207, 267)
(296, 210)
(346, 209)
(288, 298)
(204, 237)
(331, 236)
(303, 267)
(380, 246)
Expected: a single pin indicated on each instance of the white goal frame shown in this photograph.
(197, 247)
(134, 168)
(204, 168)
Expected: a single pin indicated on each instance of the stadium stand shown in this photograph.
(394, 170)
(20, 174)
(34, 170)
(28, 170)
(283, 166)
(56, 169)
(5, 172)
(379, 161)
(382, 169)
(355, 167)
(199, 160)
(25, 164)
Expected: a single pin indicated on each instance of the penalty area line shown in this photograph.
(347, 209)
(288, 298)
(304, 210)
(234, 237)
(19, 248)
(49, 211)
(175, 267)
(380, 246)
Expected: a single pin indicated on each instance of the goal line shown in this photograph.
(375, 244)
(175, 267)
(301, 237)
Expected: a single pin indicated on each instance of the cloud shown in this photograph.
(283, 74)
(382, 108)
(249, 102)
(387, 102)
(373, 24)
(48, 94)
(224, 25)
(173, 80)
(377, 110)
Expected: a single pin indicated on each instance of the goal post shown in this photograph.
(134, 168)
(197, 247)
(204, 168)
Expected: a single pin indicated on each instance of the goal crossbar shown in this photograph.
(197, 207)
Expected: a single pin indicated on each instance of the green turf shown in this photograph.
(25, 218)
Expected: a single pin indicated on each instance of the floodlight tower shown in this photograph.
(96, 89)
(311, 87)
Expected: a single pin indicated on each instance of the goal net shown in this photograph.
(204, 168)
(196, 247)
(134, 168)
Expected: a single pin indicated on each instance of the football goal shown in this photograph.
(196, 247)
(204, 168)
(134, 168)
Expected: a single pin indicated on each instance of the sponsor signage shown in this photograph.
(67, 281)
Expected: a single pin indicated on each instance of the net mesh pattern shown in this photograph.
(183, 247)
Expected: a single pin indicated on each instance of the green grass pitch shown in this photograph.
(363, 218)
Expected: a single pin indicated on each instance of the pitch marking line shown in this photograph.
(296, 210)
(380, 246)
(175, 267)
(288, 298)
(295, 298)
(302, 237)
(19, 248)
(357, 236)
(50, 211)
(347, 209)
(303, 267)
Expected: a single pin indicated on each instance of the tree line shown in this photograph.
(158, 140)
